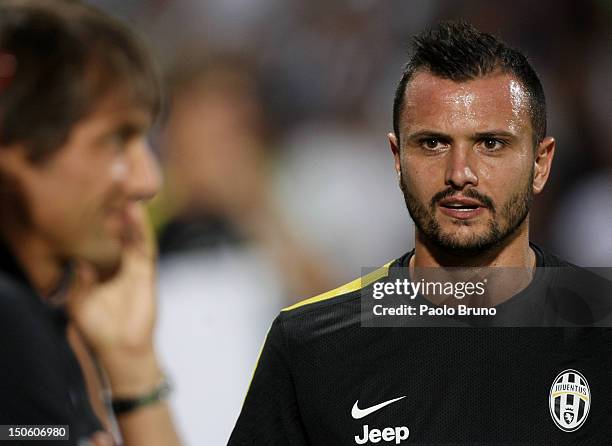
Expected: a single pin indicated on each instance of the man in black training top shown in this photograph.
(470, 148)
(77, 95)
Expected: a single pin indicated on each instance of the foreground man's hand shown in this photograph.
(116, 319)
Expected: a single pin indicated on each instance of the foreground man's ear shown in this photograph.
(393, 143)
(542, 163)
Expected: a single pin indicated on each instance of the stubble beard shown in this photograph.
(501, 226)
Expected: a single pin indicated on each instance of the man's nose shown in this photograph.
(460, 170)
(144, 178)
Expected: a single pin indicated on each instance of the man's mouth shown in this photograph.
(117, 217)
(461, 207)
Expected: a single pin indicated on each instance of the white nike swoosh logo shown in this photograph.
(358, 413)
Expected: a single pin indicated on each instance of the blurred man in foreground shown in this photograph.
(77, 94)
(470, 151)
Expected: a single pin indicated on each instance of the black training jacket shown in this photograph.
(324, 379)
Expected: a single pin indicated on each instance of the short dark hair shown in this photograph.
(457, 51)
(66, 56)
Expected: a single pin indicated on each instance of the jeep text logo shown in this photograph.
(396, 434)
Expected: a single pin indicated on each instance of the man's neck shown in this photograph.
(514, 252)
(42, 268)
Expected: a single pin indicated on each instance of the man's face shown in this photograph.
(80, 202)
(466, 160)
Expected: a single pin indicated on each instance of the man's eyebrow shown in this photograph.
(494, 133)
(132, 128)
(422, 134)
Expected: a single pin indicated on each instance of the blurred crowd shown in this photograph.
(279, 181)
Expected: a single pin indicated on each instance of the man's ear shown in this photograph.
(14, 168)
(542, 163)
(13, 158)
(394, 144)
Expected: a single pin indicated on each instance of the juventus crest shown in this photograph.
(569, 400)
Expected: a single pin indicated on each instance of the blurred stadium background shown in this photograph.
(279, 179)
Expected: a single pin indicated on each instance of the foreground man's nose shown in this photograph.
(459, 173)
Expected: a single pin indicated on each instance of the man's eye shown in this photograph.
(431, 143)
(117, 142)
(492, 144)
